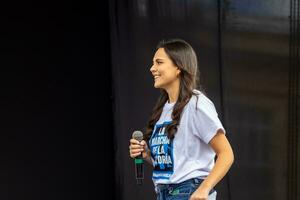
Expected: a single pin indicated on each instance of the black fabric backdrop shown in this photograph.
(56, 109)
(243, 51)
(75, 84)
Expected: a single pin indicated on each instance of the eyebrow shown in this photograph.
(158, 59)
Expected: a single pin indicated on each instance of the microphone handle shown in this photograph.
(139, 169)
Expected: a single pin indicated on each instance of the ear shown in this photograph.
(178, 71)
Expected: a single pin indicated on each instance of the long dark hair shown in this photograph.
(184, 57)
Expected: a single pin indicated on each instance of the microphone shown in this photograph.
(139, 162)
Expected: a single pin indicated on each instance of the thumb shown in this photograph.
(143, 142)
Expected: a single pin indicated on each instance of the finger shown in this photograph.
(134, 141)
(136, 151)
(133, 155)
(136, 146)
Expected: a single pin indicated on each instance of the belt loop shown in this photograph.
(196, 181)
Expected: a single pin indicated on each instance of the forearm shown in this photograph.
(222, 165)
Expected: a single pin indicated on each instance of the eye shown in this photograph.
(159, 62)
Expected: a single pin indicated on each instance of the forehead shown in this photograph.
(160, 53)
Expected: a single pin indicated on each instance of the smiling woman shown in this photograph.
(165, 72)
(184, 133)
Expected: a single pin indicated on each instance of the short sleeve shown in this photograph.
(205, 120)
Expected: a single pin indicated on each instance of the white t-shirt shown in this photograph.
(188, 155)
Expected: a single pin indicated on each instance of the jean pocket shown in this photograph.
(181, 190)
(197, 183)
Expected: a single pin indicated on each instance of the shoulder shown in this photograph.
(201, 102)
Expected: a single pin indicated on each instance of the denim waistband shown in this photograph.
(160, 187)
(196, 181)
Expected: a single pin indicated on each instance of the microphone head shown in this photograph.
(138, 135)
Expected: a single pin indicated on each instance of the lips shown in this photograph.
(156, 76)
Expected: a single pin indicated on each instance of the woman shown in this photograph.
(184, 132)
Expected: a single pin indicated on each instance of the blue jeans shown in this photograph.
(181, 191)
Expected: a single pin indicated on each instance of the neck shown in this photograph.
(173, 92)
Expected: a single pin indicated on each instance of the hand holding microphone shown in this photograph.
(138, 150)
(138, 146)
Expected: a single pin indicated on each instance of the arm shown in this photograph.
(225, 158)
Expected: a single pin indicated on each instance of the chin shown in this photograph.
(159, 85)
(156, 86)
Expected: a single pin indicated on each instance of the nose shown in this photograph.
(152, 69)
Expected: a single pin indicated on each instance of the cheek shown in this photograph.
(172, 75)
(166, 79)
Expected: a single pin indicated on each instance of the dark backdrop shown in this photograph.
(56, 101)
(249, 58)
(75, 84)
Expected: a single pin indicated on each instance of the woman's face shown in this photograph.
(165, 73)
